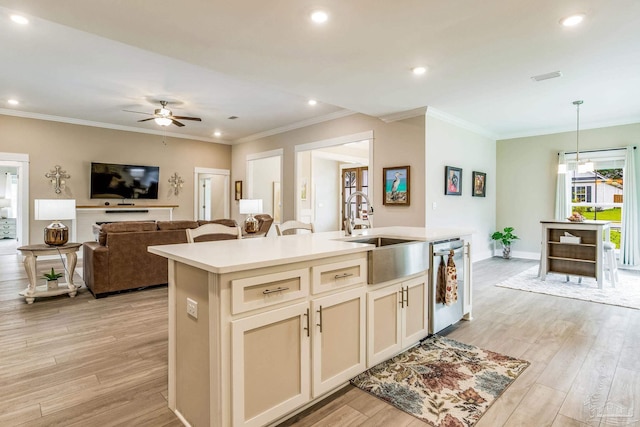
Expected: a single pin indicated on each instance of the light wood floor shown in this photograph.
(88, 362)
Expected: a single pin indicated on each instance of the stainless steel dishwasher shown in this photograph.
(443, 315)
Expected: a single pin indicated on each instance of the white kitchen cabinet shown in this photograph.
(272, 373)
(270, 364)
(339, 335)
(397, 318)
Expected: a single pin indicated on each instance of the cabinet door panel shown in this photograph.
(270, 365)
(416, 316)
(383, 318)
(339, 346)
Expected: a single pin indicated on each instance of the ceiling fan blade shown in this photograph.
(138, 112)
(198, 119)
(177, 123)
(144, 120)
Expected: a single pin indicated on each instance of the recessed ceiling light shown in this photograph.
(312, 102)
(13, 102)
(319, 16)
(572, 20)
(19, 19)
(217, 133)
(418, 71)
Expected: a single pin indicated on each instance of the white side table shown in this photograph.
(31, 253)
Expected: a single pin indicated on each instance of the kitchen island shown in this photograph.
(261, 328)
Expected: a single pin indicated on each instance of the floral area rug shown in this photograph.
(443, 382)
(625, 294)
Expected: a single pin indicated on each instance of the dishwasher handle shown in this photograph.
(455, 251)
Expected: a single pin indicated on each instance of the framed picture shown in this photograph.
(396, 187)
(452, 181)
(238, 190)
(479, 184)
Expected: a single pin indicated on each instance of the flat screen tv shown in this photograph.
(113, 181)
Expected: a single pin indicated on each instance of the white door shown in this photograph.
(211, 200)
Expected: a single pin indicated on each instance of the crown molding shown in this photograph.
(297, 125)
(562, 129)
(69, 120)
(449, 118)
(402, 115)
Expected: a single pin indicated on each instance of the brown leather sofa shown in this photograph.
(119, 260)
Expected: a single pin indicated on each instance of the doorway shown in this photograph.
(211, 198)
(14, 193)
(264, 177)
(321, 189)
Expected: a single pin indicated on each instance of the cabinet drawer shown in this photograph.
(268, 289)
(338, 274)
(7, 234)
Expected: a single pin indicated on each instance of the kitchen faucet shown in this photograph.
(349, 224)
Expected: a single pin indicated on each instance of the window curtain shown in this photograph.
(563, 191)
(629, 243)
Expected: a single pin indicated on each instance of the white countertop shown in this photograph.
(227, 256)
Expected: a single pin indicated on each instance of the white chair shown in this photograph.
(210, 232)
(292, 227)
(610, 263)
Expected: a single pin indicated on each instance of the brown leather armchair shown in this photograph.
(264, 223)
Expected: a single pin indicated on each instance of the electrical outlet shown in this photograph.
(192, 308)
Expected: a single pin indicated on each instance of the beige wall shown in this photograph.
(74, 147)
(398, 143)
(526, 176)
(451, 145)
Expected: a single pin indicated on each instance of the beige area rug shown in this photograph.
(443, 382)
(625, 294)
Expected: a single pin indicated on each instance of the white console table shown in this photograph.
(86, 216)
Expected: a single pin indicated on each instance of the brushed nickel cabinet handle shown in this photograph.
(320, 324)
(342, 276)
(307, 321)
(271, 291)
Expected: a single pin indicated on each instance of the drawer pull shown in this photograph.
(342, 276)
(271, 291)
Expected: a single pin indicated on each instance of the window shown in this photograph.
(597, 195)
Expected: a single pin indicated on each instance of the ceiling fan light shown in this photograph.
(162, 121)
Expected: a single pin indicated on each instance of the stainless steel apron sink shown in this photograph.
(393, 258)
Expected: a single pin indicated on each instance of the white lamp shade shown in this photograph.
(54, 209)
(250, 206)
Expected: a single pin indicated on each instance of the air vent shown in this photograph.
(547, 76)
(232, 117)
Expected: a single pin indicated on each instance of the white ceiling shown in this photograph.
(86, 61)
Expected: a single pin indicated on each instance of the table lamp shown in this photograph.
(250, 207)
(56, 233)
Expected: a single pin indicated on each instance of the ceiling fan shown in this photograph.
(164, 117)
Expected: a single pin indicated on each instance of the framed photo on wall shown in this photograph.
(396, 186)
(452, 181)
(479, 184)
(238, 190)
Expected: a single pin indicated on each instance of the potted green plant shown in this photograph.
(52, 279)
(505, 236)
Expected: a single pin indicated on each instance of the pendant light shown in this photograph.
(584, 166)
